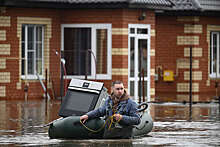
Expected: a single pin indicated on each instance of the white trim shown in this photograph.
(26, 75)
(136, 38)
(215, 74)
(93, 48)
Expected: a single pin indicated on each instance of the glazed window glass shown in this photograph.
(215, 54)
(32, 50)
(86, 49)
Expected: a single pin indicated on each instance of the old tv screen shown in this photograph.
(77, 103)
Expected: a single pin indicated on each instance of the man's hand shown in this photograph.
(84, 118)
(117, 117)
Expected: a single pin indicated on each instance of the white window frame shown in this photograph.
(213, 74)
(93, 27)
(26, 75)
(136, 77)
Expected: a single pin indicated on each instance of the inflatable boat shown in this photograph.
(83, 96)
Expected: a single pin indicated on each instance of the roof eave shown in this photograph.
(187, 13)
(149, 6)
(97, 5)
(65, 5)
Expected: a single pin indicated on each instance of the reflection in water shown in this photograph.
(22, 124)
(173, 112)
(97, 143)
(23, 117)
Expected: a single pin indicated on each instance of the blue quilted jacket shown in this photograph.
(126, 108)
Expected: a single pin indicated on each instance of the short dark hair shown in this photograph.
(116, 82)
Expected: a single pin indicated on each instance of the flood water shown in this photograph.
(24, 124)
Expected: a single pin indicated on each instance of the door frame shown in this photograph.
(136, 77)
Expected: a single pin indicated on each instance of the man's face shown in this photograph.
(118, 90)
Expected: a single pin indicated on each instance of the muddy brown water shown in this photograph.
(22, 124)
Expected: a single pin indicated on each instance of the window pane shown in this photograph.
(23, 50)
(142, 90)
(39, 63)
(142, 31)
(131, 88)
(132, 30)
(39, 50)
(23, 42)
(214, 53)
(218, 48)
(23, 67)
(132, 65)
(39, 66)
(23, 33)
(39, 33)
(77, 41)
(30, 63)
(30, 37)
(39, 46)
(142, 43)
(101, 51)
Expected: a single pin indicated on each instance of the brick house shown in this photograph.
(106, 40)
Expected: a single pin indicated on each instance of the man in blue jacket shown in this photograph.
(120, 113)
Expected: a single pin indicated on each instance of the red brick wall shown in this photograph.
(118, 18)
(167, 52)
(12, 65)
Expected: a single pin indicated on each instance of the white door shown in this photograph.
(139, 62)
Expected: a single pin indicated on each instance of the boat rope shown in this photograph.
(112, 121)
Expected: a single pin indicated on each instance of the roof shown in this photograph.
(152, 4)
(184, 5)
(155, 2)
(168, 5)
(80, 1)
(198, 5)
(209, 5)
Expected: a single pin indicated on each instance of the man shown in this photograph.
(120, 113)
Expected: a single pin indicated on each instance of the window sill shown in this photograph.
(213, 77)
(32, 77)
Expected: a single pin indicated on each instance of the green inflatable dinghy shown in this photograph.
(71, 128)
